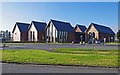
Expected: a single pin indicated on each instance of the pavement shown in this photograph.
(27, 68)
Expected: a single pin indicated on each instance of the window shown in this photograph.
(90, 35)
(60, 34)
(52, 30)
(93, 34)
(64, 33)
(30, 35)
(56, 33)
(66, 36)
(33, 36)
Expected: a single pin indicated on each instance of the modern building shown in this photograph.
(118, 36)
(20, 32)
(61, 32)
(36, 31)
(80, 33)
(58, 31)
(5, 36)
(97, 32)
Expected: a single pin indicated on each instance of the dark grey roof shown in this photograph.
(40, 26)
(82, 27)
(62, 26)
(103, 29)
(23, 27)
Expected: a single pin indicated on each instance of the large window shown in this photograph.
(66, 36)
(56, 33)
(64, 33)
(33, 36)
(30, 35)
(60, 34)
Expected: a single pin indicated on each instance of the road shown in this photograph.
(50, 46)
(27, 68)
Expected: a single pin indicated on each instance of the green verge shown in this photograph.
(113, 43)
(86, 51)
(63, 56)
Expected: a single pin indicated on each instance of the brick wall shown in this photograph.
(41, 37)
(24, 36)
(71, 36)
(107, 36)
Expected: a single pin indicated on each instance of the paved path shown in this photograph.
(19, 68)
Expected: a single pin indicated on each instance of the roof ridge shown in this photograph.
(59, 21)
(21, 23)
(80, 25)
(100, 25)
(38, 22)
(61, 25)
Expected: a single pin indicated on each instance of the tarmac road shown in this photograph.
(27, 68)
(50, 46)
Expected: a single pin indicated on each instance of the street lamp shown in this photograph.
(104, 41)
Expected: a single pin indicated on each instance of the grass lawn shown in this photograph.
(64, 56)
(114, 43)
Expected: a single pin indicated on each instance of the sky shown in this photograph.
(83, 13)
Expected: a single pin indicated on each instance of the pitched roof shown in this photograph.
(103, 29)
(81, 27)
(62, 26)
(40, 26)
(23, 27)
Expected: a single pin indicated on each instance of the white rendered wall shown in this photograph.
(33, 29)
(54, 30)
(16, 34)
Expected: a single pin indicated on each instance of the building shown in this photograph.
(80, 33)
(97, 32)
(118, 36)
(5, 36)
(61, 32)
(36, 31)
(58, 31)
(20, 32)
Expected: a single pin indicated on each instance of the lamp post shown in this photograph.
(104, 41)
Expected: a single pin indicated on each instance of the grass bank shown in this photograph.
(63, 56)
